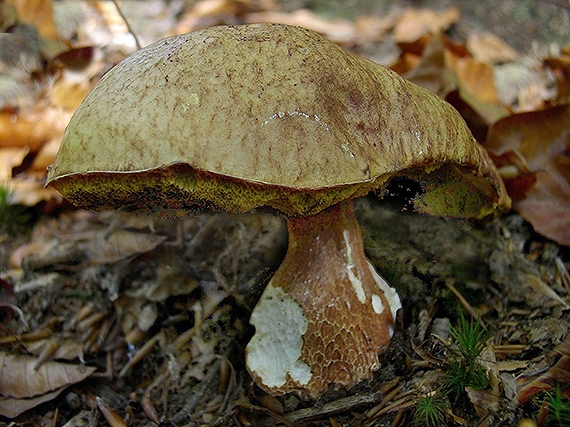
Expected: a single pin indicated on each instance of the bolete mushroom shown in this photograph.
(233, 118)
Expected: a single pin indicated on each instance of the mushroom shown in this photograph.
(234, 118)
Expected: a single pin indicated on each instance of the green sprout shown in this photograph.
(558, 409)
(464, 369)
(430, 409)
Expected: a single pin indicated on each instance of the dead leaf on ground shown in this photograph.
(414, 23)
(488, 48)
(476, 77)
(531, 384)
(19, 382)
(542, 140)
(39, 13)
(33, 129)
(560, 67)
(432, 71)
(11, 407)
(120, 245)
(10, 157)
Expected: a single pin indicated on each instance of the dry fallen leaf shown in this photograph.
(414, 23)
(476, 77)
(39, 13)
(560, 67)
(120, 245)
(432, 71)
(211, 12)
(19, 379)
(32, 130)
(11, 407)
(533, 384)
(488, 48)
(10, 157)
(22, 386)
(542, 140)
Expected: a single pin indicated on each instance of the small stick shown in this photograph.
(465, 303)
(124, 18)
(331, 408)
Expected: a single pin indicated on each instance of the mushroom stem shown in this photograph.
(326, 314)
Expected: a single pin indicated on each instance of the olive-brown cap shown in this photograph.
(238, 117)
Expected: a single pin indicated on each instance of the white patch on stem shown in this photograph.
(377, 304)
(354, 281)
(274, 351)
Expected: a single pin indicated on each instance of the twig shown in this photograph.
(331, 408)
(464, 303)
(124, 18)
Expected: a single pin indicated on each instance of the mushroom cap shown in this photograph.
(233, 118)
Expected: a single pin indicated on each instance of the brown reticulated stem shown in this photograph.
(326, 313)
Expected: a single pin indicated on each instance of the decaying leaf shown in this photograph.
(559, 372)
(9, 158)
(204, 12)
(561, 69)
(540, 139)
(431, 71)
(415, 23)
(39, 13)
(120, 245)
(19, 381)
(11, 407)
(488, 48)
(476, 77)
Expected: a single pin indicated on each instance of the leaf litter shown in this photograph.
(145, 320)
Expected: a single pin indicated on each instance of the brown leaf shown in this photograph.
(542, 139)
(45, 157)
(74, 58)
(69, 94)
(373, 28)
(488, 48)
(476, 77)
(32, 129)
(517, 177)
(432, 71)
(214, 12)
(10, 157)
(120, 245)
(414, 23)
(38, 13)
(12, 407)
(477, 114)
(560, 67)
(18, 378)
(29, 192)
